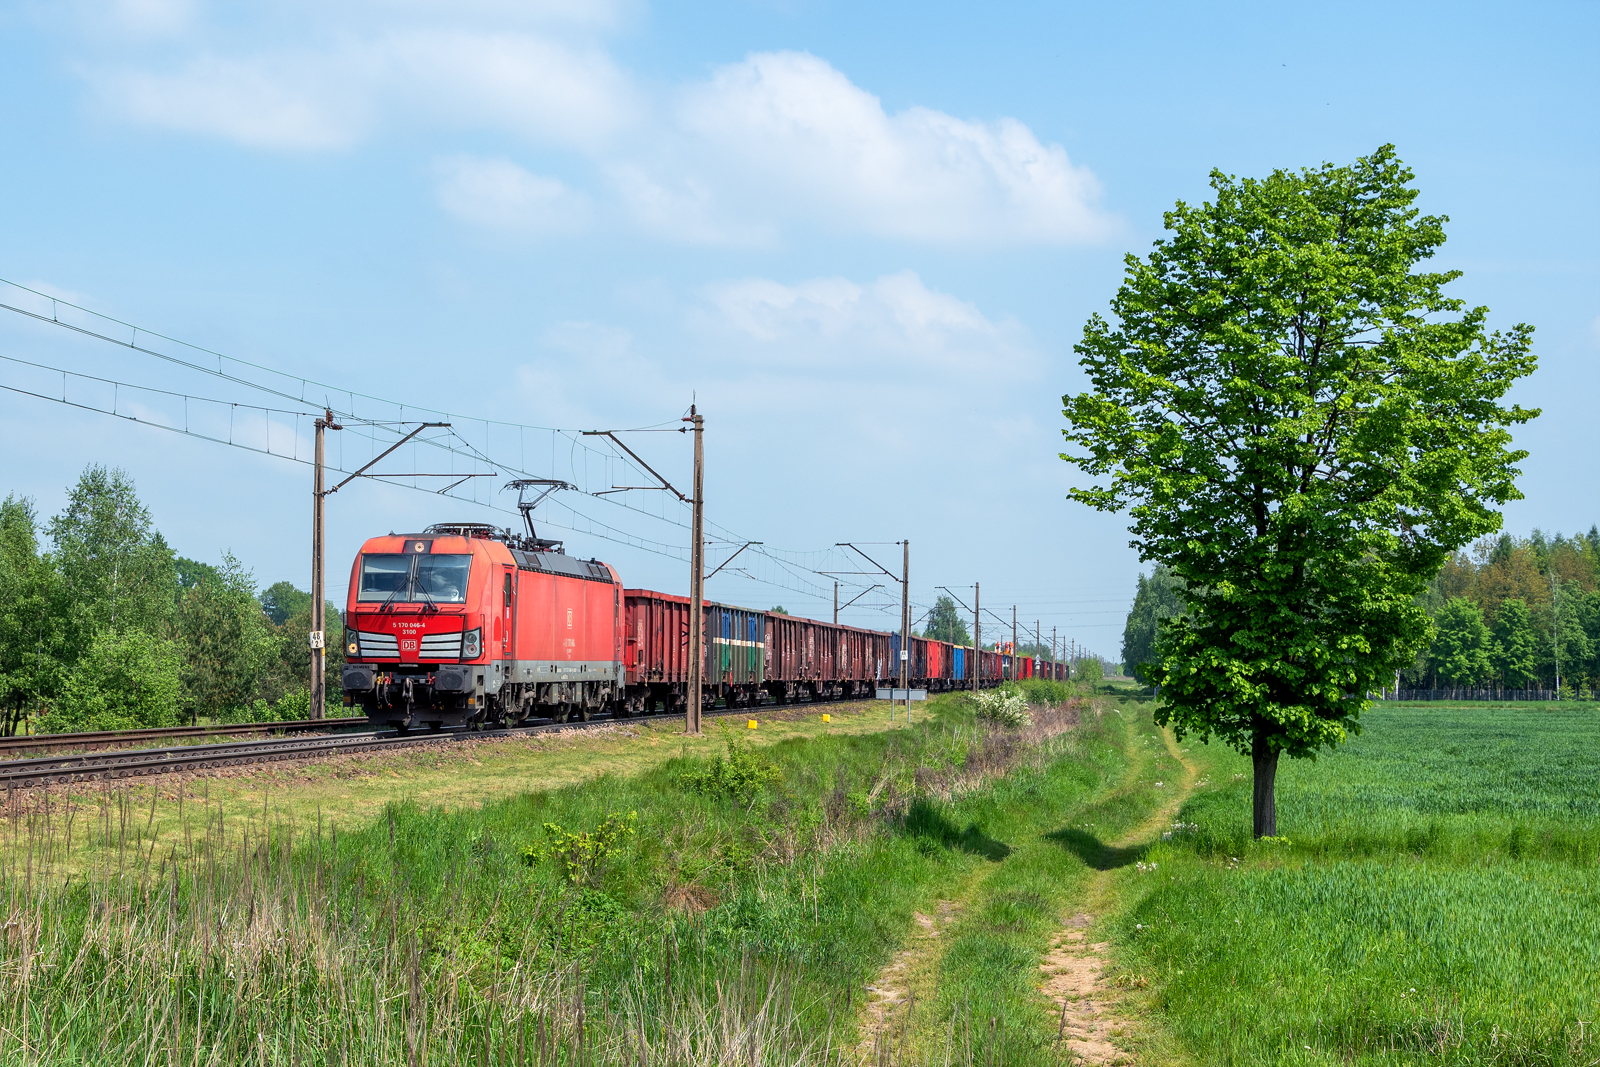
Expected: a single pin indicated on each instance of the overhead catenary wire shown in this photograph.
(297, 387)
(786, 568)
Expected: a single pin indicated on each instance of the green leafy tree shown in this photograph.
(1513, 656)
(227, 641)
(34, 625)
(1461, 645)
(192, 572)
(776, 609)
(1303, 427)
(1562, 639)
(281, 600)
(126, 680)
(118, 569)
(1587, 611)
(945, 623)
(289, 669)
(1090, 673)
(1159, 597)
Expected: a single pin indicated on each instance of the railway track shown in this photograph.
(50, 742)
(42, 771)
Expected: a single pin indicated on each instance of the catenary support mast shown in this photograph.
(905, 623)
(696, 578)
(319, 592)
(977, 637)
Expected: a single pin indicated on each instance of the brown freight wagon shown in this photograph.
(812, 660)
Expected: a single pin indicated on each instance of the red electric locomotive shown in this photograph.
(464, 625)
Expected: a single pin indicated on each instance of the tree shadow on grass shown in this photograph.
(926, 822)
(1095, 852)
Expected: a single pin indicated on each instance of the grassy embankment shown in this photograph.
(1436, 900)
(693, 911)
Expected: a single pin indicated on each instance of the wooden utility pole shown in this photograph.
(696, 578)
(836, 603)
(1014, 648)
(1053, 644)
(319, 595)
(977, 638)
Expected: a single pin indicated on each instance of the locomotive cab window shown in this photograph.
(384, 574)
(441, 579)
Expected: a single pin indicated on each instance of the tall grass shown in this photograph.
(732, 927)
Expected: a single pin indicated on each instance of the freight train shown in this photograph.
(469, 625)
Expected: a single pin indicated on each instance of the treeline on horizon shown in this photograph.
(104, 627)
(1505, 614)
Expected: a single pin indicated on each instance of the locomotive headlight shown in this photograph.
(471, 644)
(351, 647)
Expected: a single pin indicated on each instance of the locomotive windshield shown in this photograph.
(444, 578)
(409, 579)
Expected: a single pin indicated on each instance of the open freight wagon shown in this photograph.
(753, 657)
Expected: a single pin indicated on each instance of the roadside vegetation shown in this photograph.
(721, 909)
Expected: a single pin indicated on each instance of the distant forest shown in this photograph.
(1506, 614)
(103, 626)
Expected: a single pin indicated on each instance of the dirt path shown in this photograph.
(1072, 968)
(908, 975)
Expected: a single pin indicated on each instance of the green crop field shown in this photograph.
(1437, 899)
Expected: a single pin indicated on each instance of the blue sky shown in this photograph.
(863, 237)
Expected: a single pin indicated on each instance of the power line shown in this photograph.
(295, 389)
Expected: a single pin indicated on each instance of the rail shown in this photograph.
(48, 742)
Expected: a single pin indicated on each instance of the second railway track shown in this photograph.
(133, 763)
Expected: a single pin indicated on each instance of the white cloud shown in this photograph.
(795, 129)
(499, 195)
(301, 100)
(277, 103)
(686, 210)
(776, 143)
(149, 18)
(893, 320)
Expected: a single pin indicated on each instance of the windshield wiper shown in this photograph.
(423, 589)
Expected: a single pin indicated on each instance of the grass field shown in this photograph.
(819, 895)
(1437, 899)
(696, 910)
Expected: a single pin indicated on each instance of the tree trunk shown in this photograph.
(1265, 759)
